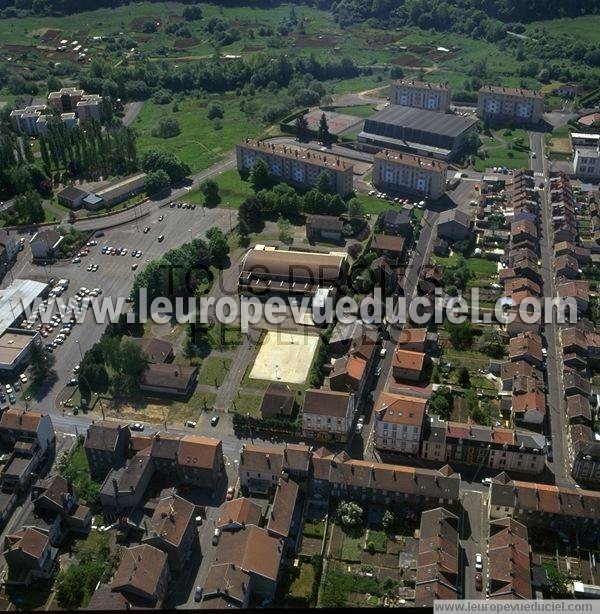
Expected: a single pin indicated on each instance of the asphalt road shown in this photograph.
(559, 430)
(473, 532)
(132, 110)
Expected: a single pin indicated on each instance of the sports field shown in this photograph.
(285, 357)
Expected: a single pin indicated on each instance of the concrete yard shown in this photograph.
(285, 357)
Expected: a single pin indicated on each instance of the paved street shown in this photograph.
(473, 532)
(558, 426)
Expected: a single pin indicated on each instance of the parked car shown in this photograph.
(146, 230)
(73, 382)
(23, 378)
(478, 562)
(161, 238)
(136, 426)
(214, 420)
(478, 581)
(198, 594)
(230, 493)
(190, 423)
(382, 352)
(216, 535)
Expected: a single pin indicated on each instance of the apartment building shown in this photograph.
(404, 172)
(89, 108)
(399, 422)
(25, 120)
(586, 162)
(327, 414)
(421, 95)
(298, 167)
(510, 104)
(65, 100)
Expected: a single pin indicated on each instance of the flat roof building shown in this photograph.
(16, 298)
(299, 167)
(404, 172)
(586, 162)
(421, 95)
(15, 348)
(509, 103)
(418, 131)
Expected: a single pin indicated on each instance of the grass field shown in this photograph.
(232, 189)
(248, 404)
(585, 28)
(214, 371)
(504, 150)
(301, 587)
(199, 144)
(363, 110)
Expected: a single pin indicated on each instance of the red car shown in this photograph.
(230, 493)
(478, 582)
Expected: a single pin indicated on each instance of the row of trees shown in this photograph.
(89, 149)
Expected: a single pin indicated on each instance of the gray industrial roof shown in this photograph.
(14, 300)
(419, 119)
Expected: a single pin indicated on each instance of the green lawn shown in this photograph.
(583, 28)
(378, 539)
(248, 404)
(214, 371)
(301, 587)
(314, 528)
(199, 143)
(352, 547)
(201, 401)
(511, 154)
(479, 267)
(232, 188)
(468, 358)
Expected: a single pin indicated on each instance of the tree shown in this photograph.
(441, 403)
(350, 514)
(157, 182)
(210, 190)
(41, 362)
(461, 335)
(285, 230)
(464, 378)
(492, 343)
(323, 130)
(259, 175)
(29, 208)
(155, 159)
(301, 125)
(192, 13)
(324, 182)
(167, 128)
(215, 110)
(217, 245)
(389, 520)
(251, 214)
(356, 209)
(70, 587)
(131, 359)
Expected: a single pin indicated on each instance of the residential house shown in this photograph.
(529, 408)
(238, 513)
(437, 558)
(169, 379)
(281, 515)
(413, 339)
(509, 566)
(27, 425)
(524, 232)
(575, 384)
(586, 461)
(399, 422)
(142, 576)
(394, 222)
(29, 556)
(408, 365)
(325, 228)
(164, 452)
(327, 414)
(44, 244)
(527, 347)
(256, 552)
(454, 225)
(172, 529)
(71, 197)
(579, 410)
(158, 351)
(226, 586)
(124, 488)
(260, 468)
(106, 446)
(200, 461)
(576, 290)
(510, 371)
(278, 400)
(566, 266)
(389, 246)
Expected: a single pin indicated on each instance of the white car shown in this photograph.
(216, 535)
(382, 352)
(478, 562)
(136, 426)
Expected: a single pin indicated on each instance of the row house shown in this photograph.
(30, 557)
(438, 556)
(496, 448)
(351, 373)
(106, 446)
(35, 426)
(509, 563)
(528, 502)
(586, 455)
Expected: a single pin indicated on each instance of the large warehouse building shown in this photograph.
(270, 271)
(440, 135)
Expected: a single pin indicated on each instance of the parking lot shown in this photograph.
(114, 275)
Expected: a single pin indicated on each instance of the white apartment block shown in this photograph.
(586, 162)
(300, 167)
(395, 171)
(506, 103)
(421, 95)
